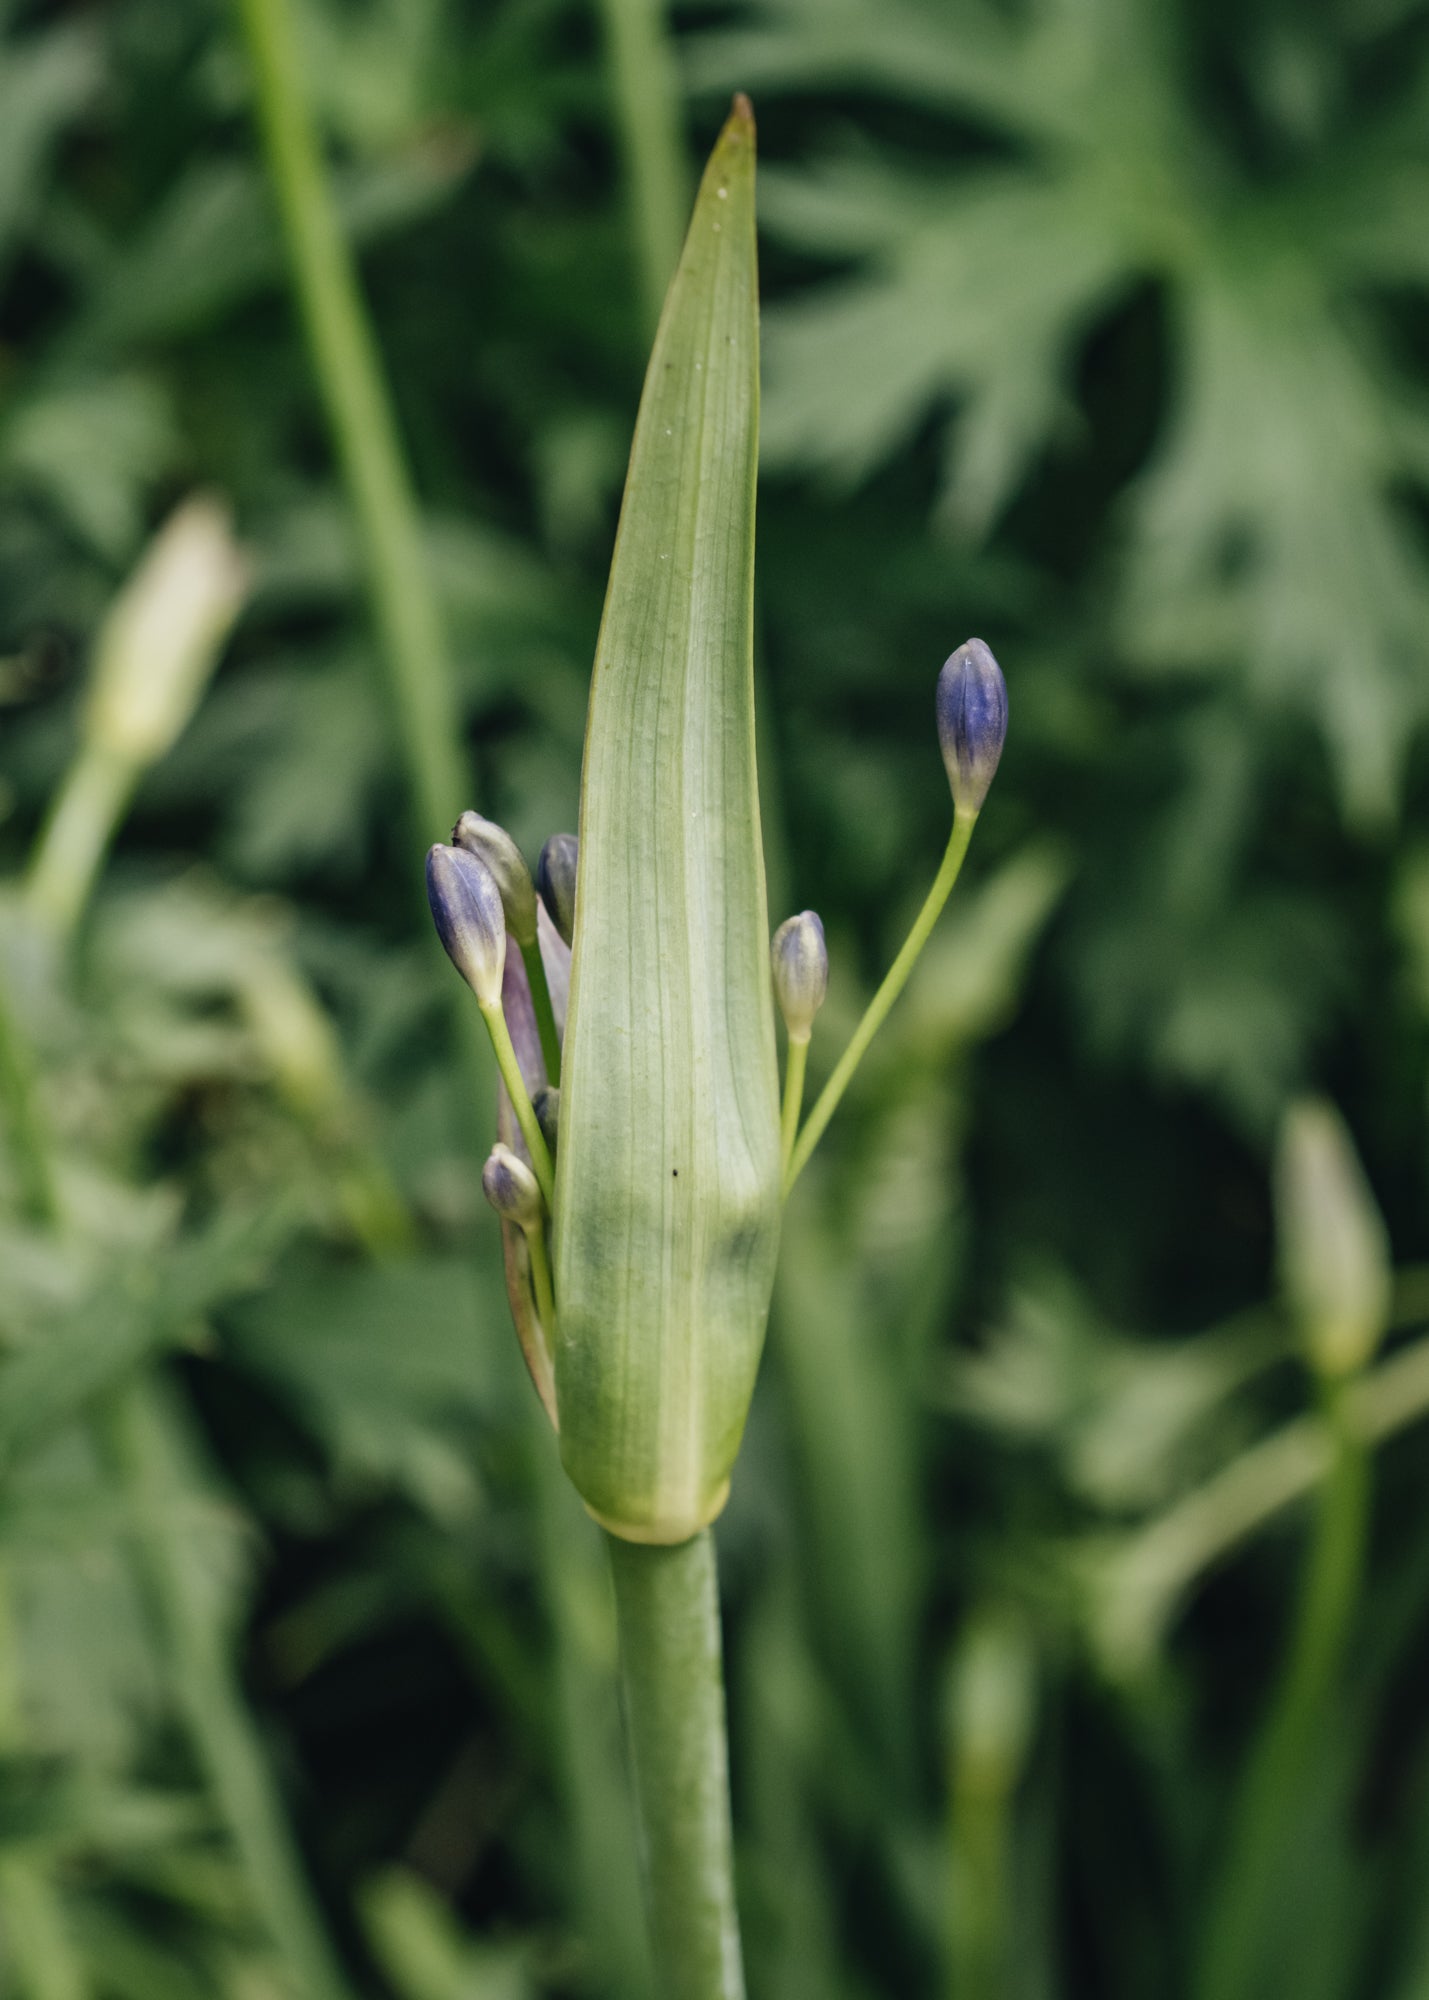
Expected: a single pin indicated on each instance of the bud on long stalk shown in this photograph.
(156, 651)
(667, 1192)
(1334, 1251)
(161, 640)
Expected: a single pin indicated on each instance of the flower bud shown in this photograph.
(547, 1106)
(556, 874)
(972, 722)
(466, 909)
(1334, 1254)
(161, 640)
(493, 845)
(801, 972)
(510, 1186)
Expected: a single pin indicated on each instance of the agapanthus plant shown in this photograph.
(643, 1156)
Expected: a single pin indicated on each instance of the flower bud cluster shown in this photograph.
(493, 846)
(481, 889)
(466, 909)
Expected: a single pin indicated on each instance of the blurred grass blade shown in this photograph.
(646, 85)
(149, 1447)
(667, 1199)
(359, 413)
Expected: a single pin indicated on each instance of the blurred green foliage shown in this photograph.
(1094, 326)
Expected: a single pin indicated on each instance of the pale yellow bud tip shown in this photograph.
(162, 638)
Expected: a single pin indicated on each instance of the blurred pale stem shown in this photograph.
(282, 1012)
(1155, 1566)
(29, 1142)
(667, 1608)
(32, 1924)
(77, 834)
(796, 1061)
(980, 1910)
(520, 1097)
(647, 95)
(32, 1918)
(364, 431)
(359, 413)
(1269, 1798)
(152, 659)
(31, 1914)
(991, 1716)
(882, 1002)
(545, 1014)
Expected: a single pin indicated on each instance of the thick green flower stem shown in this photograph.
(672, 1676)
(1266, 1808)
(881, 1004)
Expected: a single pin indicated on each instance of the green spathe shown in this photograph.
(667, 1194)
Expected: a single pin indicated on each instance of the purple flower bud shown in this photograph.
(493, 845)
(510, 1186)
(801, 972)
(556, 874)
(972, 722)
(466, 909)
(547, 1106)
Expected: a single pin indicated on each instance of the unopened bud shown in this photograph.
(1334, 1253)
(556, 874)
(493, 845)
(510, 1186)
(161, 641)
(466, 909)
(972, 722)
(547, 1106)
(801, 972)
